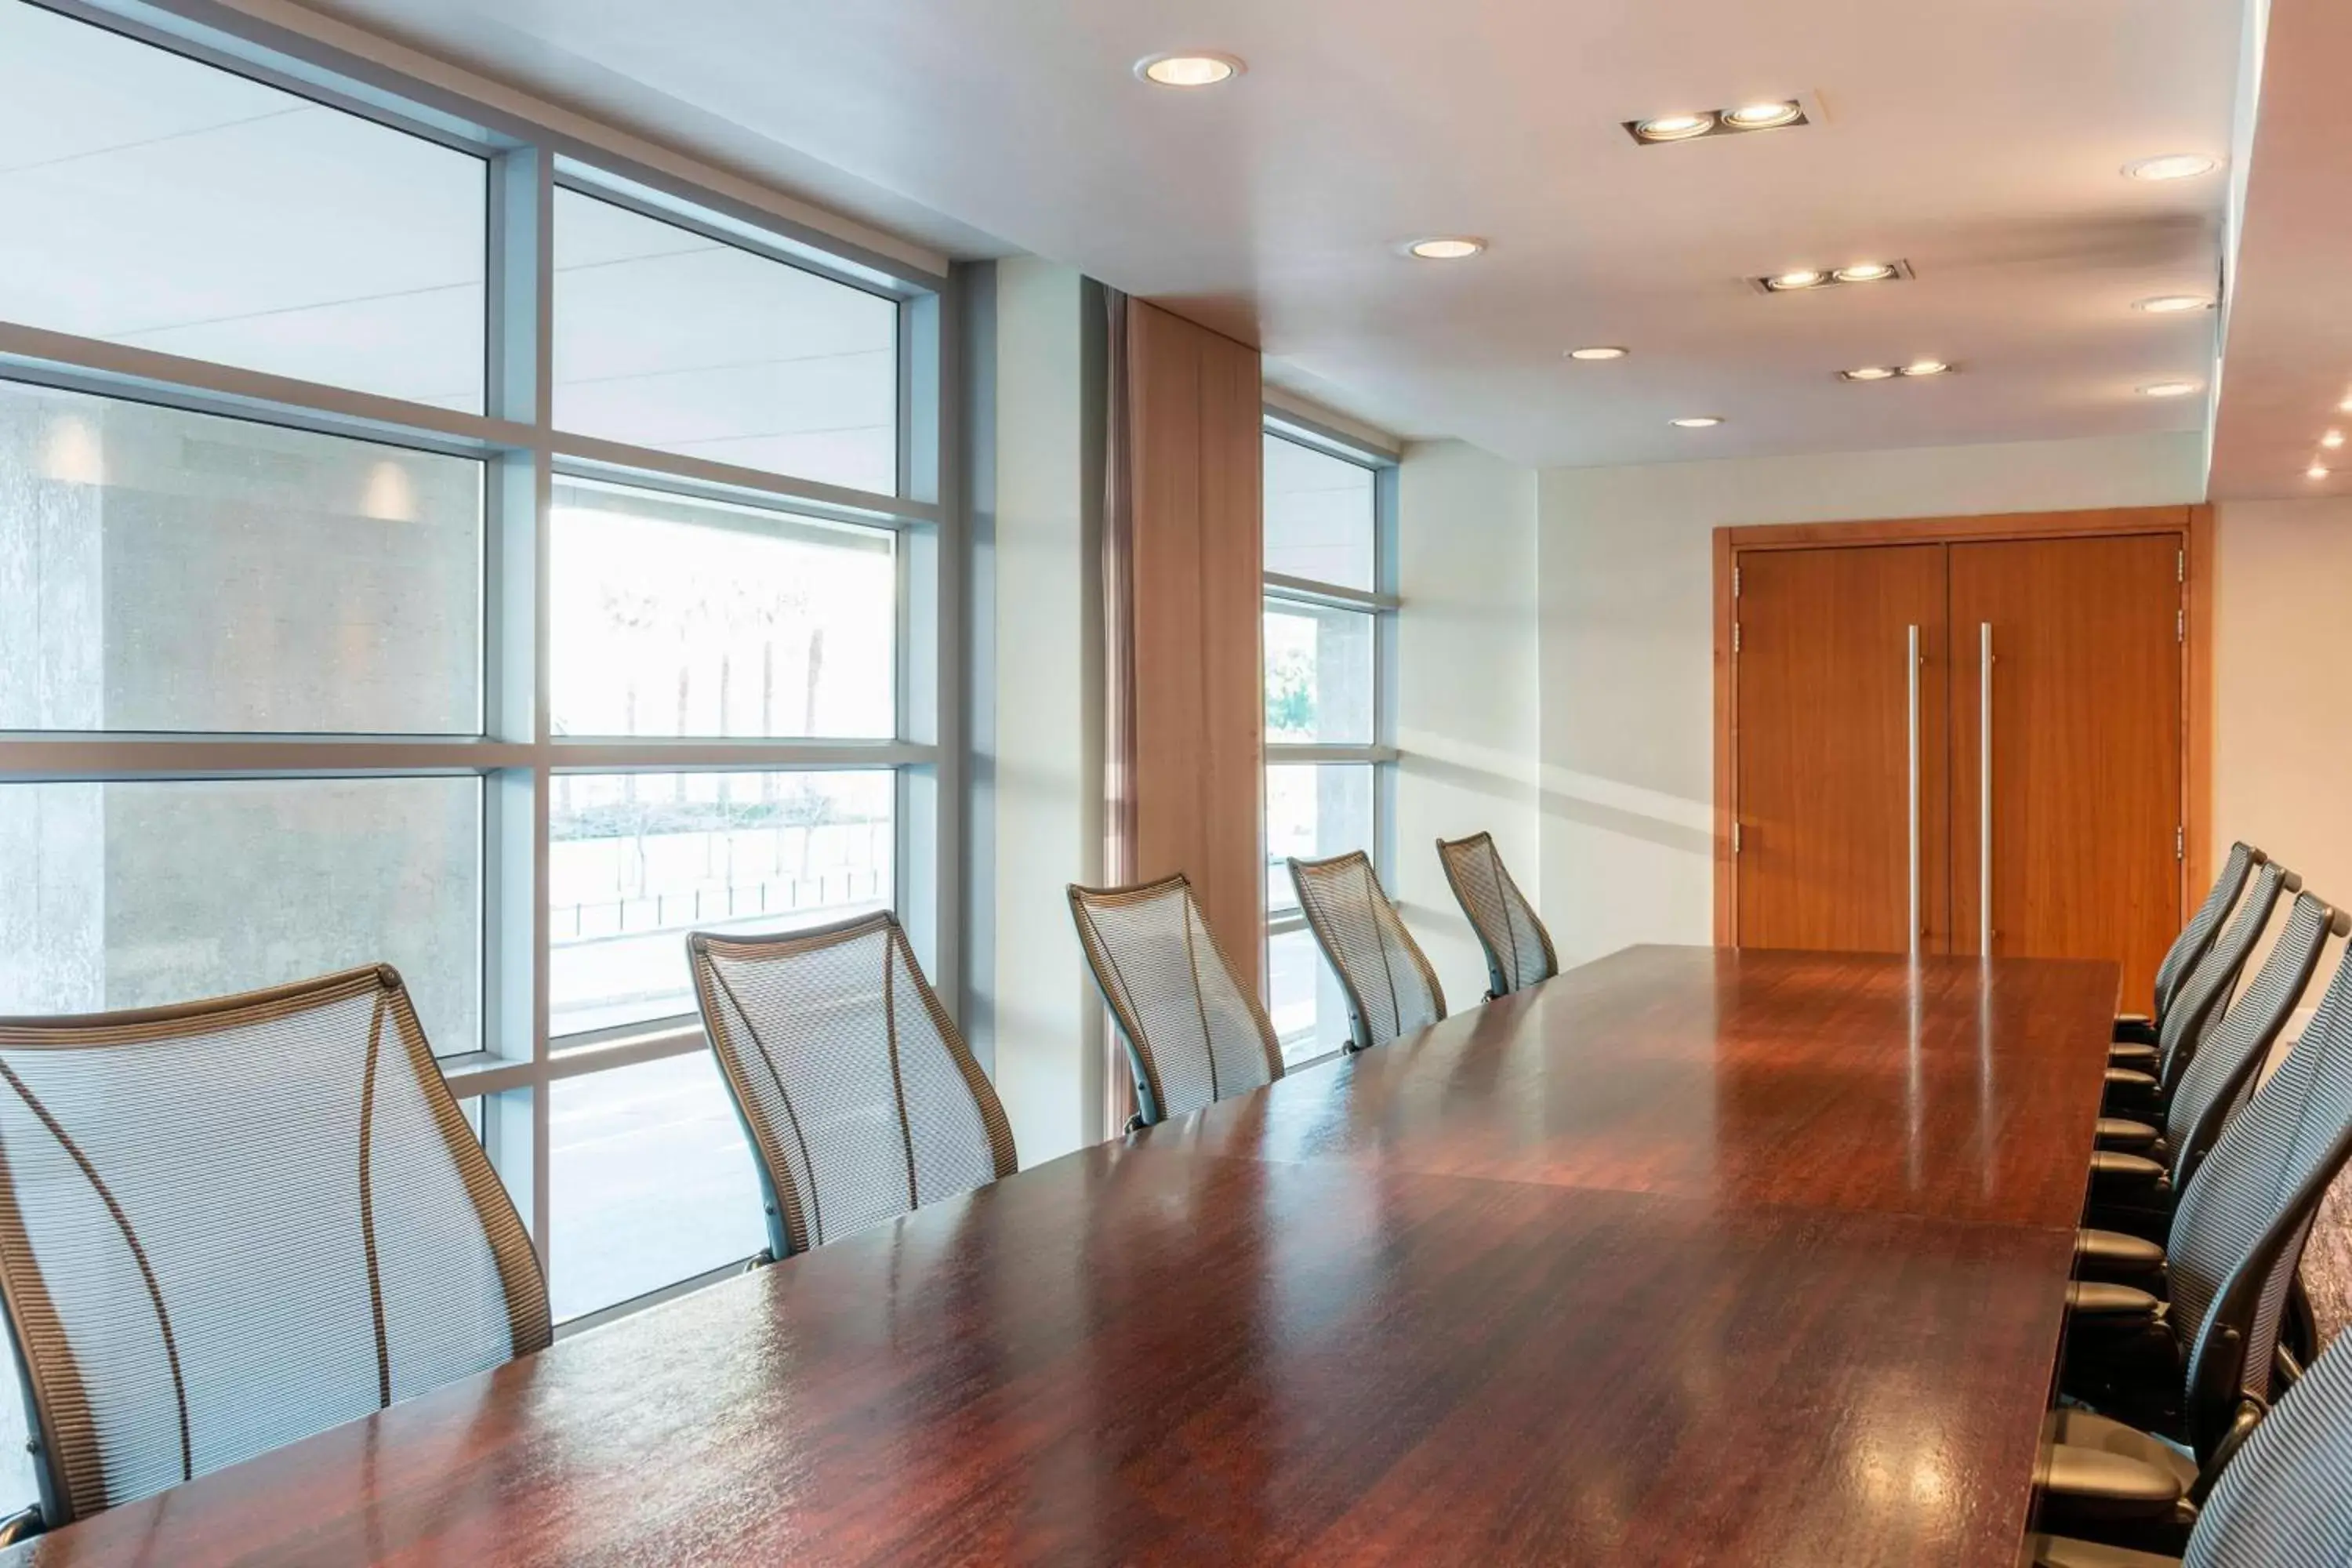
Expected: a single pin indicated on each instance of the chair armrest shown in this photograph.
(2103, 1301)
(2124, 1133)
(2138, 1028)
(22, 1525)
(2115, 1174)
(2092, 1482)
(2117, 1256)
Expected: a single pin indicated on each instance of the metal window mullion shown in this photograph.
(107, 368)
(596, 457)
(1384, 669)
(1329, 595)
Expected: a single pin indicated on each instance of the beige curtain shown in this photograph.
(1119, 662)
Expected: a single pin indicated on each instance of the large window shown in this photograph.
(507, 656)
(1328, 628)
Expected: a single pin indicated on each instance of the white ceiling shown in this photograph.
(1981, 142)
(2290, 326)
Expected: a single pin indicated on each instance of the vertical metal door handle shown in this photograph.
(1912, 673)
(1984, 788)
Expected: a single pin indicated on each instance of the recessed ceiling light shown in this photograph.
(1803, 277)
(2169, 389)
(1925, 367)
(2316, 471)
(2173, 304)
(1865, 272)
(1672, 127)
(1697, 422)
(1870, 373)
(2172, 166)
(2332, 440)
(1445, 248)
(1598, 350)
(1763, 116)
(1189, 70)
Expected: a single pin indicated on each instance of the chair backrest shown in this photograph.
(2218, 1076)
(1388, 982)
(1519, 950)
(1193, 1036)
(2284, 1501)
(2198, 1003)
(2238, 1231)
(227, 1224)
(2197, 935)
(861, 1100)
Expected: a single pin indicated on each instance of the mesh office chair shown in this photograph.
(1519, 950)
(861, 1100)
(2233, 1247)
(2198, 1002)
(2286, 1501)
(230, 1224)
(2140, 1164)
(2136, 1035)
(1388, 982)
(1193, 1036)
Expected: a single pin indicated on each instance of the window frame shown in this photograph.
(523, 452)
(1382, 603)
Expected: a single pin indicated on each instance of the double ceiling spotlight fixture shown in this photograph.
(1767, 114)
(2170, 388)
(1599, 352)
(2175, 304)
(1918, 368)
(1806, 278)
(1697, 422)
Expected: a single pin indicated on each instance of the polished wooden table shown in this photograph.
(1686, 1257)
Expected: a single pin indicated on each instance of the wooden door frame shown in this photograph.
(2192, 523)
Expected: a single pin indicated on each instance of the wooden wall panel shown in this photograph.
(1200, 702)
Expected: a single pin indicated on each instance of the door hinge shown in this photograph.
(1735, 637)
(2180, 566)
(1734, 582)
(2180, 844)
(2180, 625)
(1735, 838)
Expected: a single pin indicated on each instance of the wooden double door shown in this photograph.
(1976, 745)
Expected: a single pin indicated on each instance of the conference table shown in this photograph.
(1687, 1256)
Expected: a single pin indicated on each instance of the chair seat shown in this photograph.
(2114, 1252)
(2123, 1132)
(2063, 1552)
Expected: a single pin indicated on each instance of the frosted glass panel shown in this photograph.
(163, 571)
(168, 204)
(139, 894)
(1319, 516)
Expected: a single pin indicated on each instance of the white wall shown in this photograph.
(1625, 612)
(1038, 733)
(2282, 700)
(1467, 711)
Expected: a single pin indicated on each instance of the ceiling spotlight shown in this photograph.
(2167, 389)
(1865, 272)
(1189, 70)
(2173, 304)
(1870, 373)
(2172, 166)
(1925, 367)
(2344, 407)
(1445, 248)
(2332, 440)
(2316, 471)
(1763, 116)
(1598, 350)
(1804, 277)
(1697, 422)
(1672, 127)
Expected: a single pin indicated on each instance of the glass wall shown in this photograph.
(1327, 628)
(324, 666)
